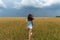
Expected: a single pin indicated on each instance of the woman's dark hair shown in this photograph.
(30, 17)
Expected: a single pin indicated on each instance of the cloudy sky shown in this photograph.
(20, 4)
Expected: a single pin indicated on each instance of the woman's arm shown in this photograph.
(26, 21)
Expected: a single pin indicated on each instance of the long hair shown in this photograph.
(30, 17)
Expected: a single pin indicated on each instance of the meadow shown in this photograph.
(44, 28)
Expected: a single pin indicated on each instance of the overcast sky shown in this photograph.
(34, 6)
(20, 3)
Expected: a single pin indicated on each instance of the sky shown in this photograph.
(20, 4)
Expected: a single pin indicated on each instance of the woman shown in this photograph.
(29, 25)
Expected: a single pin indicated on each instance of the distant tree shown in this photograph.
(57, 16)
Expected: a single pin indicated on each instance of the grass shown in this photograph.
(43, 29)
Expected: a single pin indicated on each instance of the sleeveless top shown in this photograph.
(29, 24)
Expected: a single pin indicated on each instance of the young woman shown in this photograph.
(29, 25)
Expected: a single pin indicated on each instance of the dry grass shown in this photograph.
(43, 29)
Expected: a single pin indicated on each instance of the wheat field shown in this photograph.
(44, 28)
